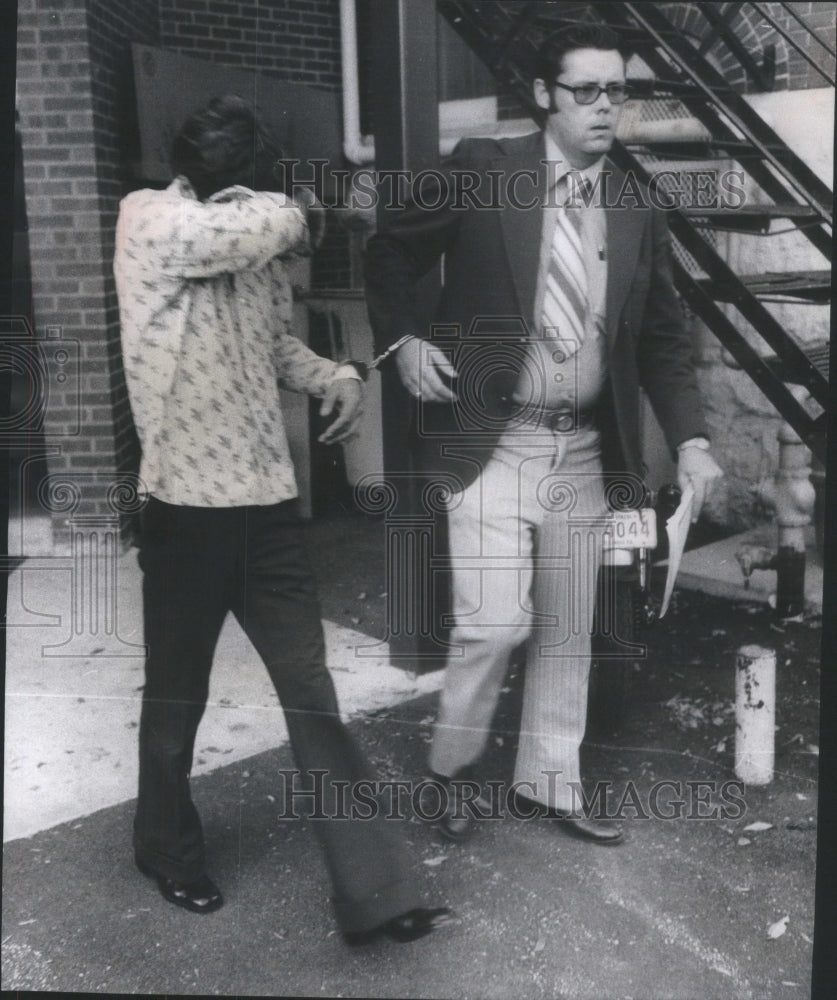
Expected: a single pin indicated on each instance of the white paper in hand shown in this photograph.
(677, 529)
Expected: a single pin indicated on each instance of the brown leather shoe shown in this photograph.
(457, 821)
(457, 827)
(599, 831)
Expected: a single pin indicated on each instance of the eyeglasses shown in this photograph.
(589, 93)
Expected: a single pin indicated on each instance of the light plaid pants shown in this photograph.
(525, 544)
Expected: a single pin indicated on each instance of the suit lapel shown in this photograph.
(624, 234)
(521, 227)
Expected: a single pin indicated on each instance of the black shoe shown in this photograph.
(200, 896)
(456, 826)
(457, 822)
(598, 831)
(406, 927)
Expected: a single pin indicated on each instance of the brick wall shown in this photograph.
(793, 71)
(296, 40)
(70, 63)
(822, 18)
(53, 70)
(112, 27)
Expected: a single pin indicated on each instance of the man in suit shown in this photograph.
(557, 306)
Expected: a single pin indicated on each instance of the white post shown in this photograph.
(755, 714)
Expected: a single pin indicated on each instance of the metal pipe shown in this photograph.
(792, 495)
(752, 557)
(755, 714)
(357, 148)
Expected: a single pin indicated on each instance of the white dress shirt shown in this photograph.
(579, 379)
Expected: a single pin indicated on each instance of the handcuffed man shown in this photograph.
(205, 306)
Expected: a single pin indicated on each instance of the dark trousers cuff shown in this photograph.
(359, 915)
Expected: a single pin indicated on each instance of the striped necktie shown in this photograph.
(565, 290)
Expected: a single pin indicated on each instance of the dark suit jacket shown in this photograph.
(491, 246)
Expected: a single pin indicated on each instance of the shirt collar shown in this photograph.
(555, 156)
(183, 186)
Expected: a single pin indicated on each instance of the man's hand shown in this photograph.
(345, 395)
(696, 467)
(425, 371)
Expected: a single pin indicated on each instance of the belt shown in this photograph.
(566, 419)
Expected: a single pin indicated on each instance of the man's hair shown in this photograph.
(224, 144)
(549, 61)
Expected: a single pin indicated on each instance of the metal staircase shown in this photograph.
(725, 130)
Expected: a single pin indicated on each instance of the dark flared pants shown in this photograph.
(198, 564)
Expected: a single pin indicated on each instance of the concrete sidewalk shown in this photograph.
(73, 692)
(713, 569)
(682, 910)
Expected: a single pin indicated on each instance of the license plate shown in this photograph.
(631, 529)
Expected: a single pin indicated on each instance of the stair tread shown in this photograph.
(818, 354)
(704, 148)
(790, 210)
(788, 279)
(813, 285)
